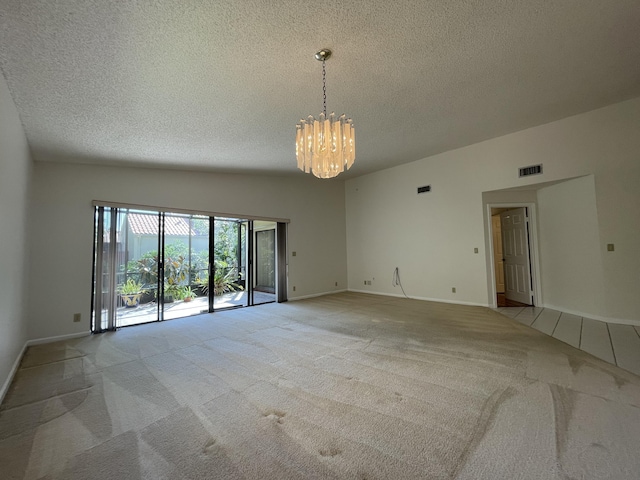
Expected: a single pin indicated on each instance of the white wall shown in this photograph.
(431, 237)
(62, 219)
(570, 254)
(15, 172)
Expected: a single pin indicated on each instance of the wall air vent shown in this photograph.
(531, 170)
(425, 189)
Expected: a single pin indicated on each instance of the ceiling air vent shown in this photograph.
(532, 170)
(425, 189)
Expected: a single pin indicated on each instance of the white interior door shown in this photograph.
(515, 248)
(498, 255)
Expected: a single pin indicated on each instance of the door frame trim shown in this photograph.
(534, 256)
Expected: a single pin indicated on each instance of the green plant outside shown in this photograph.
(177, 270)
(173, 291)
(188, 293)
(224, 278)
(131, 287)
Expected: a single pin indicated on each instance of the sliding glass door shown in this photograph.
(152, 266)
(185, 265)
(264, 287)
(136, 264)
(229, 267)
(125, 267)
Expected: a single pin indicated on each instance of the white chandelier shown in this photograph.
(326, 145)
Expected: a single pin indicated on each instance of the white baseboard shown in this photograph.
(621, 321)
(12, 373)
(28, 343)
(426, 299)
(58, 338)
(316, 295)
(377, 293)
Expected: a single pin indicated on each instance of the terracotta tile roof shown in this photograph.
(144, 224)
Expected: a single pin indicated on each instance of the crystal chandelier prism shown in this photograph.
(325, 146)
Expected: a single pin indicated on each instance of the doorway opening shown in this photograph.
(513, 248)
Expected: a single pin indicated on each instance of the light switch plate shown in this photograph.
(610, 247)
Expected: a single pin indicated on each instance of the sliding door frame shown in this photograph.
(98, 249)
(281, 262)
(250, 262)
(161, 245)
(108, 305)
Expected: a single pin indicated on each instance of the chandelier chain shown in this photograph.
(324, 87)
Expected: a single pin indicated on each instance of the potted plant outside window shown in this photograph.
(130, 293)
(188, 294)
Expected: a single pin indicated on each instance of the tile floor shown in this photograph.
(612, 342)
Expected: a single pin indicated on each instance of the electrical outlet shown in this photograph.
(336, 284)
(293, 254)
(475, 250)
(453, 289)
(77, 317)
(294, 288)
(610, 247)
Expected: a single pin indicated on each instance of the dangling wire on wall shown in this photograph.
(396, 281)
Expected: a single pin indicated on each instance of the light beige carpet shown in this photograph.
(346, 386)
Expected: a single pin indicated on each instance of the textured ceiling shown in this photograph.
(220, 85)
